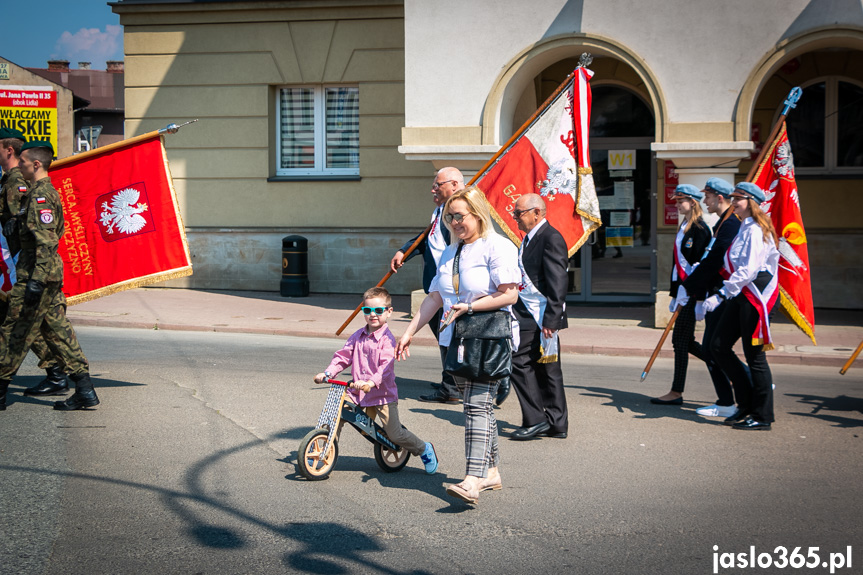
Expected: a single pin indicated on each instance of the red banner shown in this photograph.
(123, 225)
(550, 158)
(775, 176)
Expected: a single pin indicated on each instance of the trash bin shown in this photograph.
(295, 267)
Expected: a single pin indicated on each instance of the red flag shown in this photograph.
(775, 176)
(551, 158)
(123, 225)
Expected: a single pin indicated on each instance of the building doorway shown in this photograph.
(618, 264)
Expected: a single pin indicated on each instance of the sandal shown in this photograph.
(490, 487)
(462, 491)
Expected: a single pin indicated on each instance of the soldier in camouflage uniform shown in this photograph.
(37, 303)
(14, 187)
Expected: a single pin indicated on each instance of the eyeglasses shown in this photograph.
(377, 310)
(437, 185)
(457, 217)
(518, 213)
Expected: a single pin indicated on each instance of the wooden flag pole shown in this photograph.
(851, 359)
(583, 61)
(790, 102)
(386, 277)
(659, 345)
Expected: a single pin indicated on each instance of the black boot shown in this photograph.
(53, 384)
(84, 396)
(4, 385)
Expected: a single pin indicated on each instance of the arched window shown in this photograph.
(826, 128)
(618, 113)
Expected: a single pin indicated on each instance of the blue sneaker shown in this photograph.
(429, 458)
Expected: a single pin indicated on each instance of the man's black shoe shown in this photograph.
(555, 434)
(502, 391)
(737, 417)
(752, 424)
(439, 397)
(523, 433)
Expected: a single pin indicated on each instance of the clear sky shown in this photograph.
(74, 30)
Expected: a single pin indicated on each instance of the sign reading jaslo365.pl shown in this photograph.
(31, 109)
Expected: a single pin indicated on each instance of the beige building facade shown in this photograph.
(680, 94)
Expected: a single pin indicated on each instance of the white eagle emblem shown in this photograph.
(123, 212)
(784, 160)
(561, 179)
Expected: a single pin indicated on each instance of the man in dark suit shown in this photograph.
(536, 373)
(447, 182)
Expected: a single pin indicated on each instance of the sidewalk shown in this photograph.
(594, 329)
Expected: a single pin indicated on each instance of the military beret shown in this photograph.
(719, 186)
(38, 144)
(748, 189)
(689, 191)
(6, 133)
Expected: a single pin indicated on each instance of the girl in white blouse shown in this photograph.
(751, 287)
(488, 280)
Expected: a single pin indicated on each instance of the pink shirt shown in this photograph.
(372, 358)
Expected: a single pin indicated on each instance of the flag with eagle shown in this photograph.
(550, 157)
(775, 176)
(123, 224)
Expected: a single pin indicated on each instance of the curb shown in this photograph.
(815, 360)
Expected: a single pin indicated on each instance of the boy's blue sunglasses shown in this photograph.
(378, 310)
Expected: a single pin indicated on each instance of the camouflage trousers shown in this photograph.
(24, 323)
(38, 347)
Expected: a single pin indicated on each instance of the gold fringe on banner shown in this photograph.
(130, 284)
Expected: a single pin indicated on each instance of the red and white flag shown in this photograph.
(551, 158)
(775, 176)
(123, 224)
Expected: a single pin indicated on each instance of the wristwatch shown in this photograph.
(469, 308)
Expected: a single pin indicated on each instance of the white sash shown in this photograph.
(535, 303)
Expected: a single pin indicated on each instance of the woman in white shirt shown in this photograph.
(751, 287)
(488, 277)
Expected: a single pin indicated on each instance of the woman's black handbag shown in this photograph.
(481, 346)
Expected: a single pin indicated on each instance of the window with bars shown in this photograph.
(318, 131)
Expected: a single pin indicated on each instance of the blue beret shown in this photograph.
(748, 189)
(11, 133)
(38, 144)
(719, 186)
(689, 190)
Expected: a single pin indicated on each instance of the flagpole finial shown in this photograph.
(791, 100)
(585, 60)
(173, 128)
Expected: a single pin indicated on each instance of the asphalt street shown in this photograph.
(188, 466)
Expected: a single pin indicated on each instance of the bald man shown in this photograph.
(541, 312)
(447, 181)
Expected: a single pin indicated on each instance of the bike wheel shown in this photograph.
(312, 463)
(389, 460)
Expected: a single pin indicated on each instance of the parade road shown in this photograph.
(188, 466)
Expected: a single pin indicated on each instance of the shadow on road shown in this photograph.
(319, 547)
(842, 403)
(640, 405)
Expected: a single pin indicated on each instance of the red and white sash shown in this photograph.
(762, 302)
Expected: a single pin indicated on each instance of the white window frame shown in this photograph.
(320, 169)
(831, 128)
